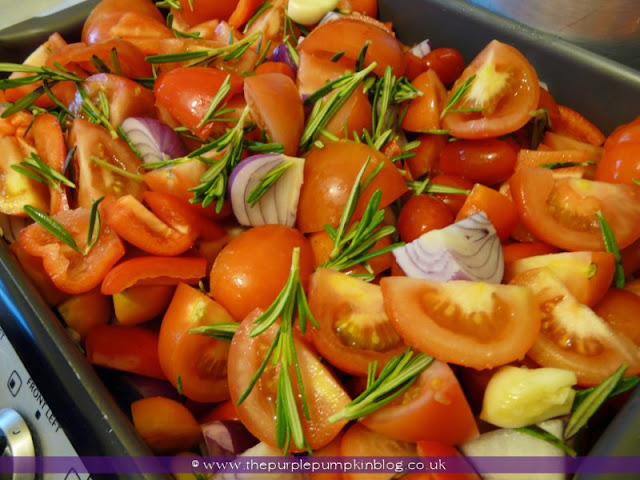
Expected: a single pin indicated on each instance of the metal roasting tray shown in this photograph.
(606, 92)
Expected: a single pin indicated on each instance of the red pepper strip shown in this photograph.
(154, 271)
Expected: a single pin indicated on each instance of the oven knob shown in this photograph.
(16, 441)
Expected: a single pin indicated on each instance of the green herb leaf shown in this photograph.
(611, 245)
(263, 8)
(220, 331)
(592, 402)
(266, 182)
(425, 186)
(624, 385)
(93, 234)
(456, 97)
(540, 433)
(555, 165)
(396, 377)
(52, 226)
(120, 171)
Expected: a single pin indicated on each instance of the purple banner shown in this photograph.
(314, 464)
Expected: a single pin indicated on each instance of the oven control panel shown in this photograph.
(28, 426)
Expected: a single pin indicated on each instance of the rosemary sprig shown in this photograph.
(324, 110)
(396, 377)
(263, 8)
(57, 230)
(220, 331)
(213, 183)
(266, 182)
(352, 245)
(216, 111)
(39, 73)
(611, 245)
(97, 114)
(460, 92)
(589, 405)
(540, 433)
(425, 186)
(169, 4)
(34, 168)
(120, 171)
(291, 302)
(205, 56)
(554, 165)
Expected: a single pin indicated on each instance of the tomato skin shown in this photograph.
(421, 214)
(619, 308)
(435, 318)
(257, 411)
(252, 268)
(433, 408)
(130, 349)
(423, 112)
(74, 311)
(137, 305)
(186, 93)
(488, 161)
(620, 163)
(447, 62)
(573, 124)
(97, 26)
(453, 200)
(499, 208)
(504, 111)
(329, 174)
(427, 155)
(516, 251)
(562, 211)
(69, 270)
(199, 361)
(204, 10)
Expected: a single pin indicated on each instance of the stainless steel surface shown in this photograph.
(19, 442)
(611, 28)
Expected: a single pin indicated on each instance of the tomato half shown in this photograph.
(505, 88)
(198, 362)
(499, 208)
(70, 271)
(423, 112)
(620, 163)
(325, 396)
(98, 24)
(562, 211)
(421, 214)
(329, 174)
(619, 308)
(354, 328)
(252, 268)
(433, 408)
(572, 336)
(466, 323)
(198, 11)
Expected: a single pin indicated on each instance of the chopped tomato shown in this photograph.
(74, 311)
(197, 11)
(329, 174)
(197, 362)
(97, 26)
(572, 335)
(129, 349)
(516, 251)
(186, 93)
(575, 125)
(453, 200)
(619, 308)
(466, 323)
(140, 304)
(587, 275)
(620, 163)
(70, 271)
(578, 161)
(421, 214)
(271, 66)
(354, 328)
(258, 411)
(447, 62)
(153, 271)
(427, 155)
(266, 94)
(165, 424)
(352, 118)
(93, 180)
(423, 112)
(252, 268)
(505, 89)
(169, 228)
(364, 7)
(489, 161)
(562, 211)
(556, 141)
(432, 408)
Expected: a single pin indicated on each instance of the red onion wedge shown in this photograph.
(421, 49)
(282, 54)
(279, 204)
(226, 438)
(466, 250)
(156, 141)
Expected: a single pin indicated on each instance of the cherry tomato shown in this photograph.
(252, 268)
(505, 87)
(258, 411)
(94, 181)
(73, 272)
(186, 93)
(466, 323)
(619, 308)
(97, 26)
(620, 163)
(421, 214)
(562, 211)
(423, 112)
(353, 117)
(432, 408)
(487, 161)
(453, 200)
(198, 11)
(198, 362)
(572, 335)
(587, 275)
(516, 251)
(447, 62)
(427, 155)
(349, 34)
(140, 304)
(354, 328)
(329, 174)
(74, 311)
(499, 208)
(266, 95)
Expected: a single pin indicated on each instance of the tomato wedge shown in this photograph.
(505, 89)
(153, 271)
(258, 411)
(572, 335)
(198, 362)
(562, 211)
(70, 271)
(466, 323)
(433, 408)
(354, 328)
